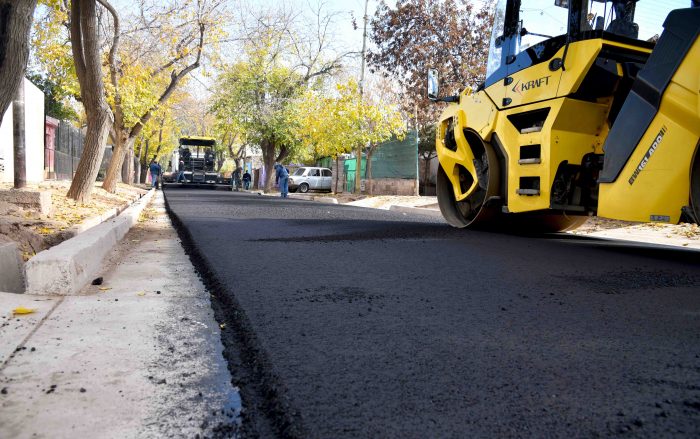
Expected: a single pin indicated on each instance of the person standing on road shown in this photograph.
(283, 176)
(236, 179)
(246, 180)
(156, 170)
(181, 171)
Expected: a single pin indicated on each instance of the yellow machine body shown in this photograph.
(660, 167)
(546, 137)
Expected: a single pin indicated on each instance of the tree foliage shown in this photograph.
(333, 124)
(52, 66)
(147, 54)
(254, 100)
(55, 98)
(417, 35)
(165, 43)
(282, 55)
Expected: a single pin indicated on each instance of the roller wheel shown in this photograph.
(476, 213)
(695, 189)
(472, 211)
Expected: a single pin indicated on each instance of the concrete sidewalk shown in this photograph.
(138, 356)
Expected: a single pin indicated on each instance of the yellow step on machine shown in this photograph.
(589, 107)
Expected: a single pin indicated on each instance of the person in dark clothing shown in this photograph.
(246, 180)
(155, 170)
(236, 179)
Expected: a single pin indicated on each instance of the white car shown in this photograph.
(310, 178)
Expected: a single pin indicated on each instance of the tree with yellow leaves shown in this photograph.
(151, 53)
(154, 65)
(158, 139)
(334, 124)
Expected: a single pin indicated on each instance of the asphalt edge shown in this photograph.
(67, 267)
(261, 390)
(418, 210)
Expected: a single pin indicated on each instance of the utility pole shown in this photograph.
(358, 153)
(18, 134)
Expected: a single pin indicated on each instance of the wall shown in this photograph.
(391, 186)
(34, 137)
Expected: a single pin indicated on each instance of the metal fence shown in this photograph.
(67, 150)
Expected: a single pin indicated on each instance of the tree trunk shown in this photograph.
(337, 172)
(368, 169)
(144, 161)
(126, 168)
(113, 174)
(130, 165)
(18, 137)
(137, 172)
(98, 125)
(88, 67)
(219, 161)
(268, 150)
(15, 24)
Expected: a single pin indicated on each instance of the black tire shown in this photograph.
(472, 211)
(303, 188)
(695, 187)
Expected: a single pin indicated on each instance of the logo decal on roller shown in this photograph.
(520, 87)
(650, 152)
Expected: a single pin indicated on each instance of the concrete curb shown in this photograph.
(108, 215)
(66, 268)
(11, 268)
(300, 197)
(13, 279)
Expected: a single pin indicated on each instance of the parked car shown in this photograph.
(310, 178)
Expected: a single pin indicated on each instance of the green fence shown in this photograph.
(392, 159)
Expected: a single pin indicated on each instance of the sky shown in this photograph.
(648, 14)
(538, 13)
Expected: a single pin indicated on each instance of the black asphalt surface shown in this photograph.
(345, 322)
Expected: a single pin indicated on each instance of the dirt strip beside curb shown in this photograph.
(66, 268)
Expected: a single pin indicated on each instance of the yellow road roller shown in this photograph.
(589, 107)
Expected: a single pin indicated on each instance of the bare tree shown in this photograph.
(88, 67)
(415, 35)
(15, 24)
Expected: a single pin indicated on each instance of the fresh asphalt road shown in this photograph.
(363, 323)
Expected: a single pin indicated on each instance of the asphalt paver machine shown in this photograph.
(589, 107)
(197, 154)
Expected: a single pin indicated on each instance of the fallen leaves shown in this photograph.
(20, 310)
(45, 231)
(105, 288)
